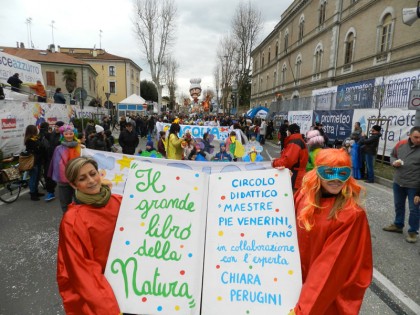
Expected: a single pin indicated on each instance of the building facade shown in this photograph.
(53, 64)
(326, 43)
(117, 75)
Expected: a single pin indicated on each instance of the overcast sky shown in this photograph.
(77, 23)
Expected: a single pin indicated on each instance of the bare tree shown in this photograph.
(154, 24)
(246, 25)
(227, 60)
(170, 70)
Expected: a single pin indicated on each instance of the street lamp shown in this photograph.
(234, 93)
(107, 103)
(226, 85)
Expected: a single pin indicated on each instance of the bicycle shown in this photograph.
(12, 182)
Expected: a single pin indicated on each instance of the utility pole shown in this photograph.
(28, 28)
(225, 94)
(100, 39)
(52, 31)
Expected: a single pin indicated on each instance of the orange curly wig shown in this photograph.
(311, 187)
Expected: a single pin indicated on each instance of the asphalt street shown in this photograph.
(29, 235)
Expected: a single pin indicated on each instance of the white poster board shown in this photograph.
(156, 257)
(252, 263)
(155, 265)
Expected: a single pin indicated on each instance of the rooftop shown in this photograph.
(44, 56)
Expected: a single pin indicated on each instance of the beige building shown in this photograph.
(117, 75)
(53, 64)
(324, 43)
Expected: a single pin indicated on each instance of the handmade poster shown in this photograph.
(252, 263)
(155, 263)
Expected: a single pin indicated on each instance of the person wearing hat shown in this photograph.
(69, 149)
(98, 141)
(294, 155)
(150, 151)
(128, 139)
(369, 147)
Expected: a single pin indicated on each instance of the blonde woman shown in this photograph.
(84, 241)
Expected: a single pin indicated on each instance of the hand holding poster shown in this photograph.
(155, 265)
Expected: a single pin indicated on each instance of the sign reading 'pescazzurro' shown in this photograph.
(29, 72)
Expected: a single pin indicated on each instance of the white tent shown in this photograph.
(131, 105)
(133, 99)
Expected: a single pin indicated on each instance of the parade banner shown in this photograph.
(29, 72)
(252, 264)
(16, 115)
(114, 167)
(303, 118)
(337, 124)
(220, 133)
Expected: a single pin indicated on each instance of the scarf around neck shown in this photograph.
(98, 200)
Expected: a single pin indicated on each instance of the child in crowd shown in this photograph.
(222, 156)
(234, 146)
(161, 143)
(150, 151)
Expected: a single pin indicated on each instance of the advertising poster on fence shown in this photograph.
(16, 115)
(252, 263)
(337, 124)
(398, 127)
(303, 118)
(356, 94)
(324, 99)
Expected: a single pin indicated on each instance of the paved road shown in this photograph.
(28, 241)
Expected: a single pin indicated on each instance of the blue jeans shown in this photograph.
(400, 196)
(34, 179)
(369, 166)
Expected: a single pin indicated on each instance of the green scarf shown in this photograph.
(97, 200)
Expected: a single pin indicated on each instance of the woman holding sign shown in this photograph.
(334, 238)
(85, 239)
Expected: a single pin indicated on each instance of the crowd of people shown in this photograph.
(332, 227)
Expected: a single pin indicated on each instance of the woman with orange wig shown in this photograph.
(334, 238)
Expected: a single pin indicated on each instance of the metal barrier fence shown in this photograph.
(395, 95)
